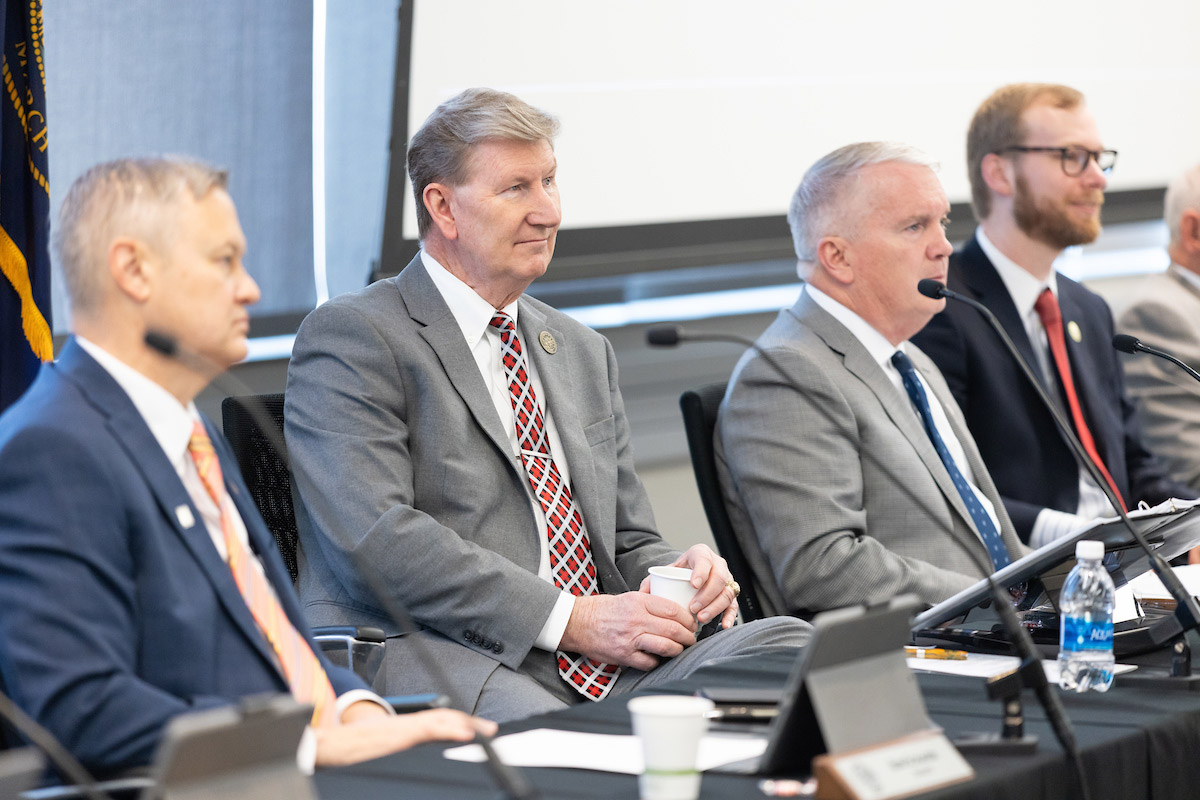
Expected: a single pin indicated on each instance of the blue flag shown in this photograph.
(25, 340)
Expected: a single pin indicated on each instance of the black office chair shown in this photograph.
(699, 408)
(268, 475)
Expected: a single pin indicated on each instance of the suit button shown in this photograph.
(486, 643)
(467, 635)
(497, 648)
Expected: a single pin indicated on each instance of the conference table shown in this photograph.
(1135, 742)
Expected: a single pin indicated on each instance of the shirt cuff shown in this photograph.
(1052, 525)
(351, 697)
(556, 624)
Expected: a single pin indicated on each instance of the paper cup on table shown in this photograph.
(670, 728)
(673, 583)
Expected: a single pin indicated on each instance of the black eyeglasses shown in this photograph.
(1074, 159)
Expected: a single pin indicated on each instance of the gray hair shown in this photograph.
(439, 152)
(126, 197)
(1182, 194)
(816, 200)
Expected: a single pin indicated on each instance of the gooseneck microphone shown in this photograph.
(1131, 344)
(1031, 666)
(508, 779)
(1187, 613)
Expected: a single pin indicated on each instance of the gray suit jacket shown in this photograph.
(1166, 314)
(402, 466)
(835, 491)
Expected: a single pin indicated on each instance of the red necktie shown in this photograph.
(570, 553)
(306, 678)
(1051, 316)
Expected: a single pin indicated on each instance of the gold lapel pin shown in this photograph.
(546, 340)
(1073, 330)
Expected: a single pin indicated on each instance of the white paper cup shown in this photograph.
(673, 583)
(670, 728)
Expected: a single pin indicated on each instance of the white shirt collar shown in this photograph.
(169, 421)
(1187, 275)
(876, 343)
(1023, 288)
(472, 313)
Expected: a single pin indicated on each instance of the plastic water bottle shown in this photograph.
(1085, 654)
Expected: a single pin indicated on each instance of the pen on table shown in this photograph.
(935, 653)
(743, 712)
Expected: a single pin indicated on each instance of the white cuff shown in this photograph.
(1052, 525)
(556, 624)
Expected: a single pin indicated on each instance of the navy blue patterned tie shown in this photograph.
(983, 523)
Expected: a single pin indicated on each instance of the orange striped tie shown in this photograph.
(303, 671)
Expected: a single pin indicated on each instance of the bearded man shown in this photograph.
(1038, 172)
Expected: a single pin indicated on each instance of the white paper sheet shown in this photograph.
(985, 665)
(545, 747)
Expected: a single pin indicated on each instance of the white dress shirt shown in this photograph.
(474, 316)
(1024, 289)
(171, 423)
(881, 350)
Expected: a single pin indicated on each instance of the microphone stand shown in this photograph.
(511, 782)
(1007, 687)
(65, 763)
(1131, 344)
(1167, 630)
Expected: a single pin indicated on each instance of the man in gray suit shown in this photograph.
(470, 444)
(1166, 314)
(836, 486)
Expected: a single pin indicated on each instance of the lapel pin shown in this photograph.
(1073, 330)
(546, 340)
(184, 515)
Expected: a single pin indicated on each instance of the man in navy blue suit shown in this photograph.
(124, 559)
(1038, 172)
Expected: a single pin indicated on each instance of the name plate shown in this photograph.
(906, 766)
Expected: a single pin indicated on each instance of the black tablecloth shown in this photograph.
(1135, 743)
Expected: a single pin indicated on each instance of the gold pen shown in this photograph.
(935, 653)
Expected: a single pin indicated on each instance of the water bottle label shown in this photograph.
(1080, 634)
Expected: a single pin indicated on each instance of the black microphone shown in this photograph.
(1131, 344)
(1031, 665)
(1187, 613)
(508, 778)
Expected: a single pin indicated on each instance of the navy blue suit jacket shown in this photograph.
(116, 616)
(1028, 458)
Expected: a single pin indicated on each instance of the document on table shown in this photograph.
(986, 665)
(545, 747)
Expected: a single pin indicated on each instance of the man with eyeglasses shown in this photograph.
(1038, 172)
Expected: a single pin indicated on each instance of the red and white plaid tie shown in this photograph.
(570, 552)
(306, 678)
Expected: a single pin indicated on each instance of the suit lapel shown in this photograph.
(427, 308)
(896, 405)
(130, 432)
(985, 285)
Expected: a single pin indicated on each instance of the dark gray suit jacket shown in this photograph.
(835, 491)
(403, 467)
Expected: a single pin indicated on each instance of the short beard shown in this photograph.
(1050, 224)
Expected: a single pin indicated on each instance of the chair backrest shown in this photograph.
(699, 408)
(263, 466)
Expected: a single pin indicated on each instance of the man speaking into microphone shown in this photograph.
(138, 580)
(852, 478)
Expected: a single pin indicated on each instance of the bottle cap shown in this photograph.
(1089, 549)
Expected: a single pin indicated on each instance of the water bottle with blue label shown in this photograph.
(1085, 654)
